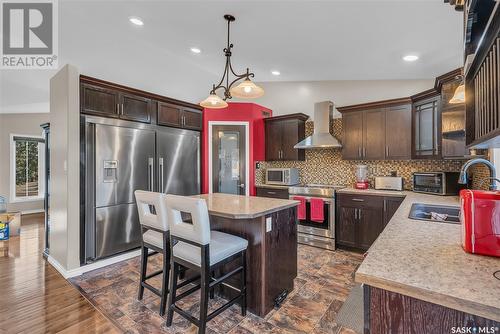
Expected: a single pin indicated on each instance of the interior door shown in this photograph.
(178, 161)
(229, 159)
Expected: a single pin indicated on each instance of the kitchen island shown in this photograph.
(270, 226)
(418, 279)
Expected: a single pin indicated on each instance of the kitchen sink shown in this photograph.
(421, 211)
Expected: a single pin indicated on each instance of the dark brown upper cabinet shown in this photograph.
(282, 134)
(352, 136)
(398, 132)
(381, 131)
(178, 116)
(135, 108)
(427, 127)
(107, 99)
(374, 134)
(99, 100)
(103, 101)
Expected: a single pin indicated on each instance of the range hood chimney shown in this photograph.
(321, 138)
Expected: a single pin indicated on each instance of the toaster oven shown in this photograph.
(437, 183)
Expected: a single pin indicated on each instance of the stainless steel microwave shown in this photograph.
(282, 176)
(438, 183)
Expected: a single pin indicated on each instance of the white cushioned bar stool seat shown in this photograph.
(153, 238)
(222, 246)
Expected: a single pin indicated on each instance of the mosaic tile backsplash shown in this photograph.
(326, 166)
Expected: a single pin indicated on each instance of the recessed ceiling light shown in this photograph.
(275, 72)
(136, 20)
(410, 58)
(195, 50)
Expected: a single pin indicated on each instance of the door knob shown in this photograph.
(242, 185)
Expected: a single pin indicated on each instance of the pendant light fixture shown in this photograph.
(245, 89)
(459, 96)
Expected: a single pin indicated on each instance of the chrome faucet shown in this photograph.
(463, 172)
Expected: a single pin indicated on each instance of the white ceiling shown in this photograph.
(305, 40)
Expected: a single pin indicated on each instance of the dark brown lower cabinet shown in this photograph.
(273, 193)
(391, 205)
(361, 218)
(390, 312)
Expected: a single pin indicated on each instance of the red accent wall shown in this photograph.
(237, 112)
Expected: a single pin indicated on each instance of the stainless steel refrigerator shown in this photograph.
(121, 157)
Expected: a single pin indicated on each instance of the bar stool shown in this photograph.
(193, 245)
(155, 236)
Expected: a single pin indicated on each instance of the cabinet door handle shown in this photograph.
(118, 108)
(359, 151)
(387, 151)
(364, 152)
(358, 200)
(385, 205)
(355, 214)
(359, 215)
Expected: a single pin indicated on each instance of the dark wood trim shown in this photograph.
(366, 308)
(425, 95)
(391, 312)
(447, 77)
(299, 116)
(375, 104)
(103, 83)
(490, 34)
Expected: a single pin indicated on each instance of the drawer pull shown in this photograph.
(271, 192)
(358, 200)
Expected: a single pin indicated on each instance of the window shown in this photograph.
(26, 176)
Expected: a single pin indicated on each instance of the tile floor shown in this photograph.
(323, 283)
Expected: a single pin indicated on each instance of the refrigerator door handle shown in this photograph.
(160, 178)
(150, 174)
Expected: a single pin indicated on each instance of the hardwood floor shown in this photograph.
(34, 297)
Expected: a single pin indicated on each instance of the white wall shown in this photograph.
(20, 124)
(65, 168)
(295, 97)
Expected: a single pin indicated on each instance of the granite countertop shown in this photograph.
(242, 207)
(425, 260)
(271, 186)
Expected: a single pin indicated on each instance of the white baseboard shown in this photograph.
(89, 267)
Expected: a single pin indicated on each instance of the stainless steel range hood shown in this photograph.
(321, 138)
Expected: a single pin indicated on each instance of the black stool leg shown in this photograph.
(212, 290)
(166, 265)
(244, 284)
(173, 291)
(144, 266)
(205, 288)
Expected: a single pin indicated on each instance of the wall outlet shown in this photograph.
(269, 224)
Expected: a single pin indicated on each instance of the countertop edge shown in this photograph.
(466, 306)
(251, 216)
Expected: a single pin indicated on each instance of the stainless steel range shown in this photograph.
(312, 232)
